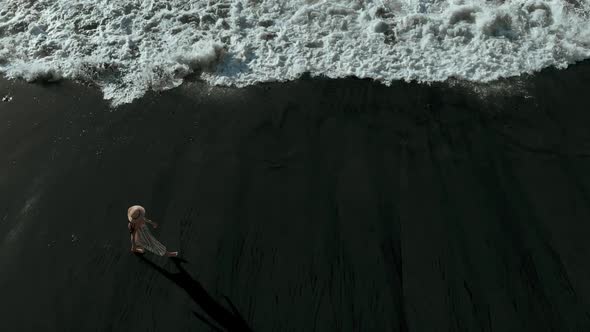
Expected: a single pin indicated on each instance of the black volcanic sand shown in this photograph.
(314, 205)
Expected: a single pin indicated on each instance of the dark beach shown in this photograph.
(313, 205)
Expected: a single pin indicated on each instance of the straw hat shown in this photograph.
(135, 210)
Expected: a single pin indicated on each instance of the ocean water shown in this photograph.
(128, 47)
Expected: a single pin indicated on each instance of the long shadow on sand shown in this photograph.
(228, 320)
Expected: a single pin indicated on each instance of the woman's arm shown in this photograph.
(154, 224)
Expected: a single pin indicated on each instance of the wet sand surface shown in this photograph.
(314, 205)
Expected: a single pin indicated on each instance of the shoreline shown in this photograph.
(499, 87)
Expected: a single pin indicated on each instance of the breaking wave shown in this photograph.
(128, 47)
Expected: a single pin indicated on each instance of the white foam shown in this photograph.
(131, 46)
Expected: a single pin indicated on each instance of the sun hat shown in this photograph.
(133, 210)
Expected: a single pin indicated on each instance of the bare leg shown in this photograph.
(135, 248)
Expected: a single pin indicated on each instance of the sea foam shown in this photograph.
(128, 47)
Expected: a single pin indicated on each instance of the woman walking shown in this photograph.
(141, 237)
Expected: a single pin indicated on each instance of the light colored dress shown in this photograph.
(146, 240)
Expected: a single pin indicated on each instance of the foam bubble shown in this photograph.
(128, 47)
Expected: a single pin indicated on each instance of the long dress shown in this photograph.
(146, 240)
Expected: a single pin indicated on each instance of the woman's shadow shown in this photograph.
(219, 316)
